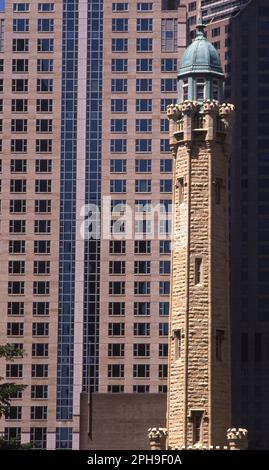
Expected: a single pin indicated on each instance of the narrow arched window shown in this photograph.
(215, 90)
(200, 89)
(185, 88)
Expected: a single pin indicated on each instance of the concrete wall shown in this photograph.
(125, 426)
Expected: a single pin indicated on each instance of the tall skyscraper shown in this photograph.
(249, 220)
(85, 86)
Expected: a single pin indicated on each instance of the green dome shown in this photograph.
(200, 57)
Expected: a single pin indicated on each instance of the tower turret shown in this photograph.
(200, 73)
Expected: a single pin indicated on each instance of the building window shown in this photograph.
(45, 65)
(119, 65)
(141, 308)
(164, 309)
(38, 438)
(20, 65)
(144, 45)
(45, 25)
(215, 90)
(44, 106)
(142, 288)
(116, 288)
(64, 438)
(115, 388)
(170, 4)
(143, 125)
(40, 308)
(118, 106)
(119, 25)
(16, 267)
(14, 371)
(116, 350)
(21, 7)
(166, 102)
(163, 371)
(198, 271)
(169, 35)
(163, 329)
(16, 246)
(140, 388)
(144, 65)
(119, 45)
(117, 247)
(118, 186)
(16, 287)
(144, 105)
(197, 426)
(41, 288)
(40, 371)
(44, 125)
(168, 85)
(118, 145)
(143, 85)
(185, 87)
(118, 125)
(144, 6)
(116, 308)
(143, 166)
(15, 329)
(141, 329)
(39, 412)
(143, 186)
(117, 267)
(163, 350)
(143, 145)
(178, 344)
(142, 247)
(20, 45)
(169, 65)
(45, 45)
(40, 350)
(14, 413)
(141, 350)
(13, 434)
(142, 267)
(115, 371)
(46, 7)
(215, 32)
(15, 308)
(40, 329)
(39, 392)
(42, 247)
(166, 186)
(200, 89)
(141, 371)
(164, 267)
(164, 125)
(144, 25)
(20, 85)
(21, 25)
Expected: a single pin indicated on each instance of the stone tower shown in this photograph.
(199, 358)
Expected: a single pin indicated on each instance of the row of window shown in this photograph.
(20, 186)
(114, 308)
(115, 371)
(20, 85)
(42, 45)
(41, 7)
(39, 267)
(114, 329)
(141, 125)
(116, 247)
(40, 226)
(145, 64)
(141, 227)
(20, 166)
(141, 186)
(140, 267)
(19, 246)
(115, 287)
(21, 125)
(140, 308)
(39, 288)
(21, 145)
(141, 166)
(21, 105)
(143, 85)
(22, 25)
(22, 65)
(142, 206)
(136, 388)
(142, 105)
(19, 206)
(140, 287)
(38, 436)
(141, 247)
(141, 145)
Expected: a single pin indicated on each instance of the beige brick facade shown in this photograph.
(199, 357)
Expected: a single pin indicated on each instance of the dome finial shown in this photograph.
(200, 26)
